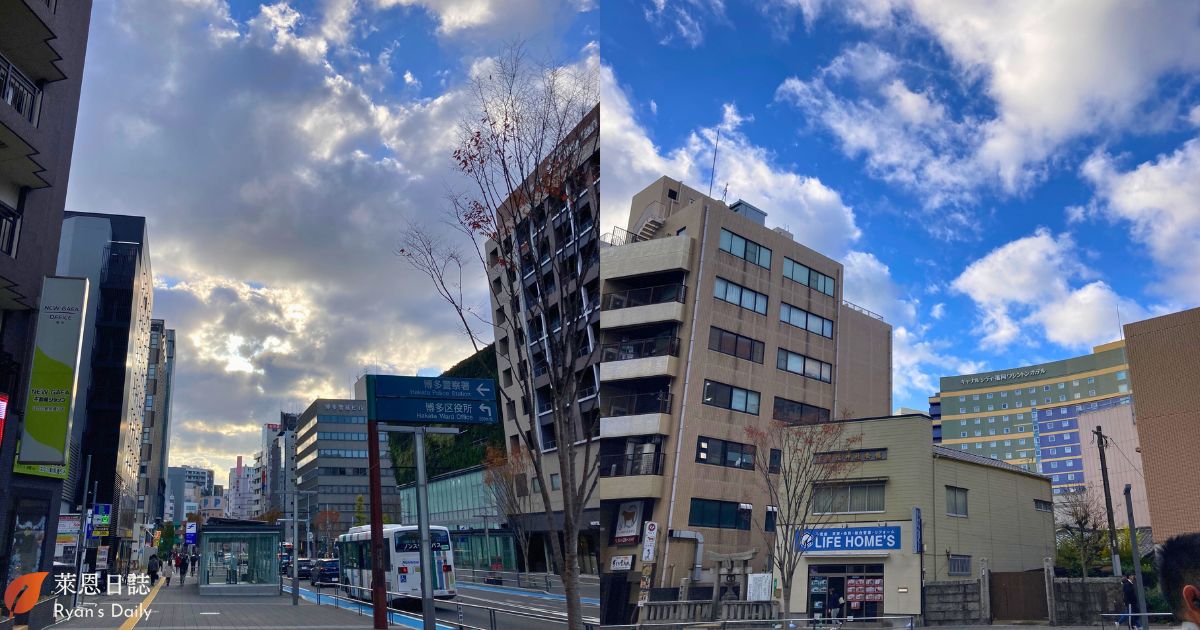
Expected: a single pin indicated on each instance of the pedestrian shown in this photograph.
(183, 567)
(1179, 570)
(168, 569)
(152, 568)
(1129, 592)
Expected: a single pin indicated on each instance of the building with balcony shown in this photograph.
(546, 312)
(156, 425)
(42, 48)
(113, 252)
(1041, 418)
(712, 323)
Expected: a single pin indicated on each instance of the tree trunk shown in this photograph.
(570, 573)
(785, 607)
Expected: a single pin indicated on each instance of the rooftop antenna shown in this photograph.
(1120, 326)
(713, 173)
(725, 193)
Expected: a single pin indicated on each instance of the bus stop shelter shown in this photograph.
(239, 557)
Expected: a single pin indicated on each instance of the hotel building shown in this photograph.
(1041, 418)
(712, 323)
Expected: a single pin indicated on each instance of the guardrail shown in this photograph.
(813, 623)
(643, 296)
(1135, 615)
(494, 614)
(546, 582)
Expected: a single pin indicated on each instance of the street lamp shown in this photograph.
(296, 542)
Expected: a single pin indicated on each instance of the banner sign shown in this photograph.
(629, 522)
(848, 539)
(419, 400)
(918, 543)
(69, 526)
(53, 378)
(620, 563)
(101, 517)
(189, 535)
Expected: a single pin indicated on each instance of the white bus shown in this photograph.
(403, 562)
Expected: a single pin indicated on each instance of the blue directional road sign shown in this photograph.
(418, 387)
(423, 410)
(101, 517)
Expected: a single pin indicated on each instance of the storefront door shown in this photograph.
(845, 590)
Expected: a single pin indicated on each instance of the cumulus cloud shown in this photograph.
(1160, 199)
(684, 22)
(1027, 286)
(632, 161)
(276, 188)
(494, 18)
(1045, 89)
(869, 283)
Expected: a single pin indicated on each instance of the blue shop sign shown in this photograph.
(848, 539)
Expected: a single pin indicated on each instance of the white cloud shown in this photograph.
(918, 364)
(1047, 89)
(1025, 287)
(868, 283)
(683, 21)
(938, 311)
(815, 212)
(1161, 199)
(499, 18)
(409, 79)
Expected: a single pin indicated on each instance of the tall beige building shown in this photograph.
(712, 323)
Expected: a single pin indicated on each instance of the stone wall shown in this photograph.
(1080, 602)
(953, 604)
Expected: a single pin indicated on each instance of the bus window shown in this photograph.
(410, 541)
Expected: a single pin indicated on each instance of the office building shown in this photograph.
(239, 503)
(42, 46)
(156, 425)
(462, 502)
(112, 252)
(712, 324)
(279, 479)
(862, 549)
(331, 460)
(553, 245)
(185, 486)
(1036, 417)
(1164, 366)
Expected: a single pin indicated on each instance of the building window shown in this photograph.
(798, 412)
(1043, 506)
(1091, 380)
(848, 498)
(769, 519)
(745, 249)
(962, 399)
(719, 514)
(974, 396)
(956, 501)
(962, 410)
(1062, 385)
(730, 397)
(1091, 392)
(555, 481)
(797, 272)
(724, 453)
(799, 364)
(776, 461)
(801, 318)
(959, 565)
(1121, 375)
(989, 395)
(736, 345)
(963, 434)
(733, 293)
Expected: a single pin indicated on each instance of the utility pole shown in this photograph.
(1136, 558)
(1102, 443)
(85, 523)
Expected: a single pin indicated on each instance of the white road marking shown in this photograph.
(210, 613)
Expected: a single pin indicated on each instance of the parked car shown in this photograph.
(324, 571)
(304, 568)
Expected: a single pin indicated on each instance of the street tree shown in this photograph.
(801, 468)
(529, 148)
(507, 481)
(360, 511)
(1082, 534)
(326, 524)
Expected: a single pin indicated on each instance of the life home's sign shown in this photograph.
(849, 539)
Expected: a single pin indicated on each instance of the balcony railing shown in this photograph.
(631, 465)
(635, 404)
(644, 296)
(640, 349)
(17, 90)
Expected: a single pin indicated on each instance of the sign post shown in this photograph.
(412, 402)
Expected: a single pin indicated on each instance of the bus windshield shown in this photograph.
(411, 540)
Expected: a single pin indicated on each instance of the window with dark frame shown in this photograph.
(725, 453)
(740, 346)
(719, 514)
(730, 397)
(745, 249)
(959, 565)
(794, 412)
(956, 501)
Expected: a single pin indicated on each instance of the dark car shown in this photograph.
(324, 571)
(304, 568)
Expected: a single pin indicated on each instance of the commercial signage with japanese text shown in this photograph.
(848, 539)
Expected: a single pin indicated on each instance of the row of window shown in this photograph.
(806, 366)
(341, 452)
(733, 454)
(737, 345)
(848, 498)
(347, 436)
(720, 514)
(801, 318)
(745, 249)
(342, 419)
(747, 401)
(734, 293)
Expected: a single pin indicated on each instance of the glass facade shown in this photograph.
(243, 558)
(463, 503)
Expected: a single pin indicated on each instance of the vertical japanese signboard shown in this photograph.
(53, 378)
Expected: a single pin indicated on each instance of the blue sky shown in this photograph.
(998, 180)
(277, 150)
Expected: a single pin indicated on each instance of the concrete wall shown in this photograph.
(864, 365)
(1080, 602)
(954, 604)
(1124, 462)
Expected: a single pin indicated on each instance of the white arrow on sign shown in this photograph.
(483, 391)
(486, 409)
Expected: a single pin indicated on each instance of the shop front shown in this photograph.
(858, 570)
